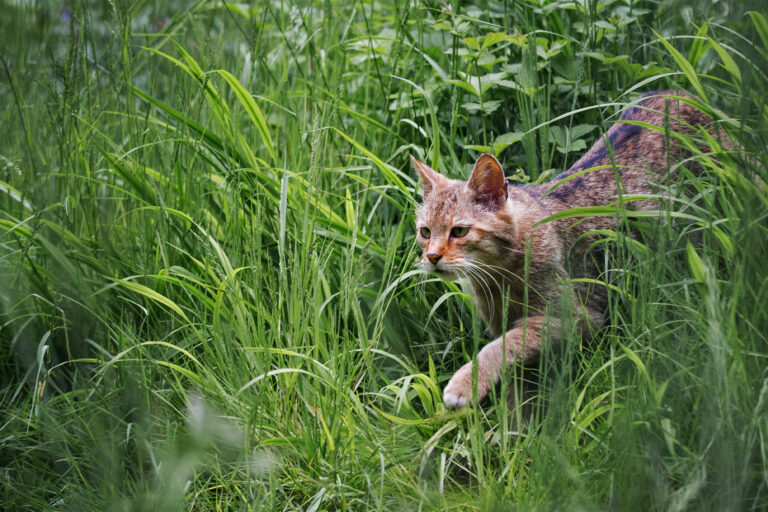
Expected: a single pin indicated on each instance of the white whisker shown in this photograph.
(503, 272)
(480, 287)
(479, 278)
(512, 249)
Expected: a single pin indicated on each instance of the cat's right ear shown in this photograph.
(430, 178)
(488, 182)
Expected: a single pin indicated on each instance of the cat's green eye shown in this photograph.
(459, 231)
(425, 232)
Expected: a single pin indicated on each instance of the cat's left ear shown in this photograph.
(488, 182)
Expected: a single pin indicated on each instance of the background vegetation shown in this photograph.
(208, 297)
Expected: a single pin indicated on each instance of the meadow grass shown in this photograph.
(209, 296)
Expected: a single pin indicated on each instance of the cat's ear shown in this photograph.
(488, 182)
(430, 178)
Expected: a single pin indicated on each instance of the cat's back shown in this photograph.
(639, 148)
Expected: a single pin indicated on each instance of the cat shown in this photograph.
(482, 229)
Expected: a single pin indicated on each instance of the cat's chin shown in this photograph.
(445, 275)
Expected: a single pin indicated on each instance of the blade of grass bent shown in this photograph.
(254, 112)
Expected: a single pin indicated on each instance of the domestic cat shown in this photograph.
(482, 229)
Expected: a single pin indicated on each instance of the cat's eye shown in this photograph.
(459, 231)
(425, 232)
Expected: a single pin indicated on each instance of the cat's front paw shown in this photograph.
(458, 391)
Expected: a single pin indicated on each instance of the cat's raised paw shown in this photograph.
(454, 401)
(458, 391)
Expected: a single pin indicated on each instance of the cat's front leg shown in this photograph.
(520, 344)
(458, 392)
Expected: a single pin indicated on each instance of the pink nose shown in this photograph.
(434, 257)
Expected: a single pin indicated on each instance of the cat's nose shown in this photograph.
(434, 257)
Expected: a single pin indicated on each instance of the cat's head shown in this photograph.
(457, 222)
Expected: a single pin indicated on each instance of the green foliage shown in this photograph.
(207, 289)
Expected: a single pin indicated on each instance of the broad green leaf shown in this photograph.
(684, 66)
(728, 63)
(699, 46)
(638, 363)
(761, 25)
(492, 38)
(698, 268)
(254, 112)
(466, 86)
(472, 42)
(151, 295)
(349, 207)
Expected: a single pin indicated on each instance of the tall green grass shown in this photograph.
(208, 291)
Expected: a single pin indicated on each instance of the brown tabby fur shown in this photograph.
(502, 219)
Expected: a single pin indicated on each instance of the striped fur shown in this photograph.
(481, 229)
